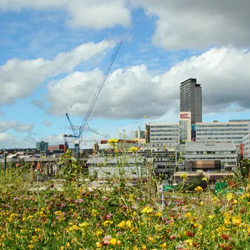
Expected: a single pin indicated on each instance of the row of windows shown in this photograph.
(162, 139)
(165, 130)
(212, 133)
(218, 138)
(222, 125)
(164, 126)
(170, 133)
(228, 129)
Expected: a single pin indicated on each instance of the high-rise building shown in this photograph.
(42, 146)
(191, 99)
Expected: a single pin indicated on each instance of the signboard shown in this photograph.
(185, 115)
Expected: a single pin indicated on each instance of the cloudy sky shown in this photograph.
(54, 55)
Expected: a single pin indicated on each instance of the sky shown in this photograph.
(53, 55)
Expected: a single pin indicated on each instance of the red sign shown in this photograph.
(184, 116)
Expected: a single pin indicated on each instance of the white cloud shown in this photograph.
(20, 78)
(6, 140)
(17, 126)
(199, 24)
(222, 72)
(53, 139)
(9, 141)
(97, 14)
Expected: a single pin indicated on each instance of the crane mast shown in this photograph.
(78, 136)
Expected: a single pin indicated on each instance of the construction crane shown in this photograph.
(77, 135)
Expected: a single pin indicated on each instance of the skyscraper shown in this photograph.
(191, 99)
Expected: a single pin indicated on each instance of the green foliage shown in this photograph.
(69, 165)
(244, 167)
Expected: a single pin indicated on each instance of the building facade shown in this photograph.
(185, 126)
(246, 146)
(162, 134)
(208, 151)
(191, 99)
(42, 146)
(222, 131)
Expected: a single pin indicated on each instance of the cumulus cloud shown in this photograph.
(7, 141)
(199, 24)
(21, 78)
(97, 14)
(17, 126)
(53, 139)
(133, 93)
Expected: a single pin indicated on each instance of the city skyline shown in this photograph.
(53, 59)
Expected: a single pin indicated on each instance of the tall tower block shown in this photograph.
(191, 99)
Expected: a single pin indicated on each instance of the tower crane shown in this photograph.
(77, 135)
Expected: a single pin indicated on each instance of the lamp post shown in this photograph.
(5, 161)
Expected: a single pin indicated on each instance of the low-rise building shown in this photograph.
(223, 151)
(122, 166)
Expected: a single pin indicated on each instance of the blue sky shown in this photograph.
(54, 54)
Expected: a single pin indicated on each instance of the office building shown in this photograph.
(202, 152)
(42, 146)
(162, 134)
(234, 131)
(191, 99)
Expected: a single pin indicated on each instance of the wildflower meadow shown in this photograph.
(71, 213)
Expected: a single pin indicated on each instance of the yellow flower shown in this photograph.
(164, 245)
(122, 224)
(128, 224)
(133, 149)
(98, 244)
(112, 141)
(158, 214)
(189, 242)
(147, 210)
(30, 246)
(113, 241)
(236, 220)
(198, 189)
(94, 213)
(229, 196)
(183, 176)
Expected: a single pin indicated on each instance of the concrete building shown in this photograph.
(223, 151)
(234, 131)
(138, 134)
(122, 166)
(162, 134)
(191, 99)
(246, 146)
